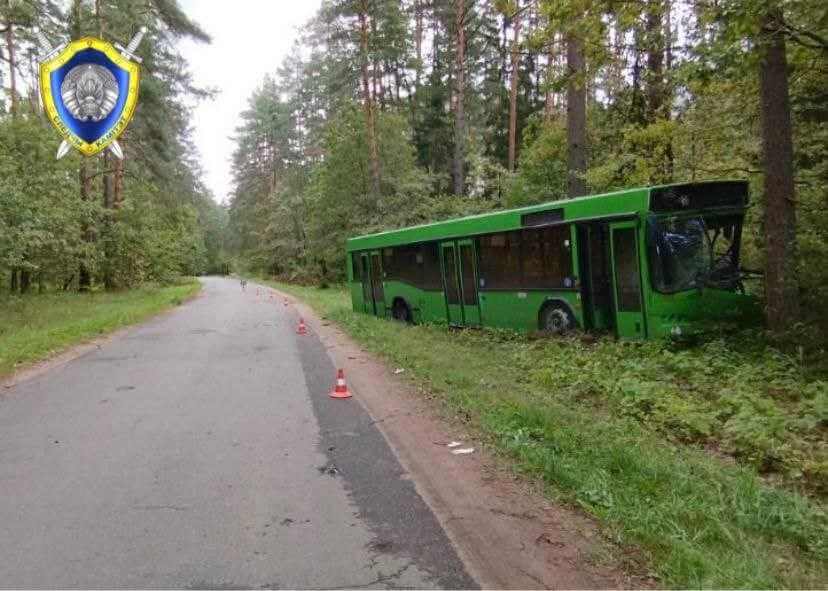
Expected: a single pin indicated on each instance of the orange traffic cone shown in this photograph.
(341, 389)
(301, 329)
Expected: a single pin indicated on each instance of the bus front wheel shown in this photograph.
(400, 311)
(556, 318)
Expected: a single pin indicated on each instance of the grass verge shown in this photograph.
(33, 327)
(625, 433)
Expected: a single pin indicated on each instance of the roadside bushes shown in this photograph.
(753, 403)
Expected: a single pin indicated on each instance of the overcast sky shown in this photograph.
(250, 39)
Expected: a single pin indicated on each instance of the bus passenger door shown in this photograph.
(468, 283)
(626, 279)
(595, 273)
(451, 284)
(365, 274)
(377, 291)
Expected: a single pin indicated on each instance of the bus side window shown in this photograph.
(547, 259)
(356, 271)
(452, 289)
(500, 264)
(366, 287)
(432, 279)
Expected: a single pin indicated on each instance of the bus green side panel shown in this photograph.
(426, 306)
(694, 311)
(356, 295)
(432, 307)
(519, 310)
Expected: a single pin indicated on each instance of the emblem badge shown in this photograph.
(89, 90)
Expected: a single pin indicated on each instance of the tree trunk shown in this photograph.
(118, 186)
(637, 102)
(370, 121)
(418, 42)
(99, 18)
(459, 161)
(576, 116)
(25, 281)
(84, 276)
(549, 102)
(781, 287)
(654, 34)
(12, 62)
(106, 185)
(514, 88)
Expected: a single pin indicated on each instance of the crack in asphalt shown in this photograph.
(380, 580)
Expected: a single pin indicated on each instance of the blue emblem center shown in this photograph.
(90, 131)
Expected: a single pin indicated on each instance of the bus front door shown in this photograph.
(377, 291)
(365, 275)
(626, 278)
(596, 280)
(451, 284)
(468, 282)
(460, 283)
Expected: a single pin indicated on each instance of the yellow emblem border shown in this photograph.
(46, 69)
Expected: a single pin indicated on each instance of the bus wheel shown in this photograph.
(400, 311)
(556, 318)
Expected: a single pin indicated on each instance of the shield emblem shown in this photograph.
(89, 91)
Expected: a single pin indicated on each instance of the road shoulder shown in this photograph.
(505, 531)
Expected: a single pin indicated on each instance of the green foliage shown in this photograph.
(160, 222)
(340, 195)
(625, 432)
(150, 243)
(40, 228)
(543, 173)
(751, 402)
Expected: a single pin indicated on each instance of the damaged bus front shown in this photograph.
(693, 239)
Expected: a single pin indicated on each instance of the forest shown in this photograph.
(80, 224)
(389, 113)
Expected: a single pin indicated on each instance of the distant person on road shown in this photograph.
(243, 284)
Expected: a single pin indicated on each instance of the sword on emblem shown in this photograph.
(49, 53)
(47, 47)
(129, 51)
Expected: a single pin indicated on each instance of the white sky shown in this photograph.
(250, 39)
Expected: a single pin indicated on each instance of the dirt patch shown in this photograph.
(506, 532)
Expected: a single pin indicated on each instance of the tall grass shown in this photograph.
(33, 326)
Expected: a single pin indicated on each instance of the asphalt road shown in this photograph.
(201, 450)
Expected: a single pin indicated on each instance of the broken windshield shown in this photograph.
(694, 252)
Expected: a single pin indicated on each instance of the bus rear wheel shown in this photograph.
(400, 311)
(556, 318)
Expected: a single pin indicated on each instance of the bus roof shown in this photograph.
(629, 202)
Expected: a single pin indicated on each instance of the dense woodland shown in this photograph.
(99, 222)
(394, 112)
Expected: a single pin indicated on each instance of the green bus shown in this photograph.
(642, 263)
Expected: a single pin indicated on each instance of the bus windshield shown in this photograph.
(694, 252)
